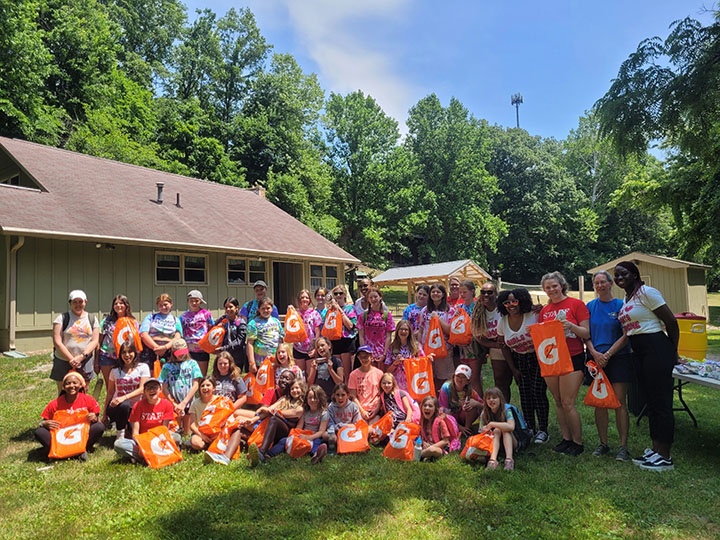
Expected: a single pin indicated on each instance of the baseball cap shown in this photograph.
(150, 380)
(196, 294)
(179, 347)
(77, 293)
(365, 348)
(260, 283)
(462, 369)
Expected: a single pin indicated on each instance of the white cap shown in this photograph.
(463, 369)
(77, 293)
(196, 294)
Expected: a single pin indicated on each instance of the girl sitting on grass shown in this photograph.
(315, 419)
(434, 432)
(199, 440)
(497, 417)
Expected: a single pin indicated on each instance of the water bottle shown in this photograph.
(417, 449)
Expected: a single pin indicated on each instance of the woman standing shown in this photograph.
(412, 312)
(438, 307)
(485, 321)
(516, 308)
(564, 388)
(75, 337)
(312, 321)
(106, 355)
(158, 330)
(343, 347)
(609, 348)
(642, 316)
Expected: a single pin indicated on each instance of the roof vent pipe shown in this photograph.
(177, 202)
(160, 186)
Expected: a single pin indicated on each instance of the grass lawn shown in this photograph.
(365, 496)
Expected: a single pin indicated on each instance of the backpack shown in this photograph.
(521, 432)
(452, 427)
(411, 416)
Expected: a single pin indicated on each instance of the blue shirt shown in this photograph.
(605, 328)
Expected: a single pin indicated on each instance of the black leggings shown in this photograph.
(654, 359)
(533, 391)
(120, 414)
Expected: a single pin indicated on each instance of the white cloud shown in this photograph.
(334, 35)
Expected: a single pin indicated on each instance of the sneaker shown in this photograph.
(659, 464)
(563, 446)
(541, 437)
(254, 455)
(491, 465)
(319, 454)
(83, 456)
(622, 454)
(647, 454)
(601, 450)
(120, 435)
(211, 457)
(574, 449)
(509, 464)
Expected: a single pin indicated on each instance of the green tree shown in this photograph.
(361, 139)
(451, 149)
(669, 90)
(551, 225)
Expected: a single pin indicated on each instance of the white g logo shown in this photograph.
(69, 435)
(215, 336)
(458, 326)
(160, 446)
(351, 434)
(435, 339)
(548, 351)
(420, 383)
(399, 438)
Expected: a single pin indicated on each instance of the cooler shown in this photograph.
(693, 335)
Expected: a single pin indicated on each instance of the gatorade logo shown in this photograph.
(215, 336)
(69, 435)
(262, 375)
(207, 415)
(221, 445)
(548, 351)
(331, 321)
(249, 384)
(458, 326)
(351, 434)
(293, 324)
(435, 339)
(599, 388)
(123, 336)
(420, 383)
(399, 438)
(160, 446)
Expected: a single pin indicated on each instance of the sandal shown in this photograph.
(509, 464)
(491, 465)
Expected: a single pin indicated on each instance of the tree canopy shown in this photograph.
(142, 83)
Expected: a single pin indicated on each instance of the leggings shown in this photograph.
(654, 360)
(533, 391)
(120, 414)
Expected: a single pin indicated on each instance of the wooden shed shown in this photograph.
(682, 283)
(427, 274)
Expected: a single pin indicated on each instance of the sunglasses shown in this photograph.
(487, 293)
(510, 303)
(339, 293)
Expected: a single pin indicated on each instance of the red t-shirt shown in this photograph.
(576, 312)
(151, 416)
(82, 401)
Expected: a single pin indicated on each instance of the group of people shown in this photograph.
(321, 384)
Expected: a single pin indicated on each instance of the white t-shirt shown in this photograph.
(126, 383)
(636, 314)
(78, 332)
(519, 341)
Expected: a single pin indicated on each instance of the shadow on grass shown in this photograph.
(285, 498)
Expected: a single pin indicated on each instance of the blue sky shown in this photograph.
(560, 55)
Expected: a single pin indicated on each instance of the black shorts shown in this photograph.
(620, 368)
(342, 345)
(200, 356)
(578, 362)
(298, 355)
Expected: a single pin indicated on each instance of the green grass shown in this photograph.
(366, 496)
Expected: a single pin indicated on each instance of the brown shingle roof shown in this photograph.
(93, 198)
